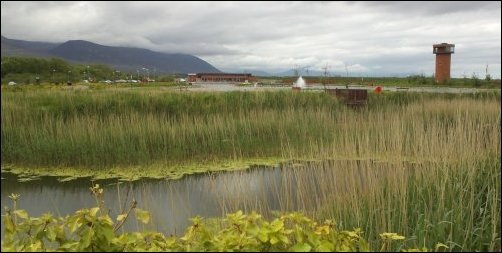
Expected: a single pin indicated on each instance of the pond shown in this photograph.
(292, 186)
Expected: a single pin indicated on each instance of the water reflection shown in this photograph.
(301, 186)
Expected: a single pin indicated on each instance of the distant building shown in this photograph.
(180, 80)
(220, 77)
(443, 53)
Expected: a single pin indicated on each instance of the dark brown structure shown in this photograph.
(220, 77)
(352, 97)
(443, 53)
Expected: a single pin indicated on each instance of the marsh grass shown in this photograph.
(135, 129)
(105, 129)
(457, 204)
(444, 185)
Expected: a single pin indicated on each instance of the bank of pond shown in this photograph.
(419, 200)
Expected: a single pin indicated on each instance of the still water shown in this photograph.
(298, 186)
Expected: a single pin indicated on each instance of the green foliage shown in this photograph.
(177, 126)
(166, 78)
(93, 230)
(25, 70)
(488, 77)
(103, 129)
(475, 80)
(420, 80)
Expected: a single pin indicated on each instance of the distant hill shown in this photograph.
(269, 74)
(256, 72)
(121, 58)
(11, 47)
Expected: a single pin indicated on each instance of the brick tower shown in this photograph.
(443, 53)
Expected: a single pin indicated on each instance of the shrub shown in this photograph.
(94, 230)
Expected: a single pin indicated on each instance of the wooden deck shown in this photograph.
(353, 97)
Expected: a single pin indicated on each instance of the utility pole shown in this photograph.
(296, 70)
(325, 75)
(347, 75)
(147, 74)
(115, 74)
(154, 74)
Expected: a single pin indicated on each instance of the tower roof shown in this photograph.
(443, 48)
(443, 45)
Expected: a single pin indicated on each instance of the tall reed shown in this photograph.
(444, 185)
(98, 130)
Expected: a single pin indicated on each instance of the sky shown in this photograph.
(354, 38)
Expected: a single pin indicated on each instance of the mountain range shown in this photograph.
(120, 58)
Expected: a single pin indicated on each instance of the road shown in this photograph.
(231, 87)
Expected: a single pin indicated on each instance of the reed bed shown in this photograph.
(428, 202)
(423, 165)
(100, 130)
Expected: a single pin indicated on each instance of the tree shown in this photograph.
(475, 80)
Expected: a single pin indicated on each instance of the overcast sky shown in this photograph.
(370, 38)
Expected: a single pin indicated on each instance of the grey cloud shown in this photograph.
(379, 37)
(431, 8)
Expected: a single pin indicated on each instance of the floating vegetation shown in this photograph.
(135, 173)
(25, 178)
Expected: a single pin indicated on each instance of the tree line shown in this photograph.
(30, 70)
